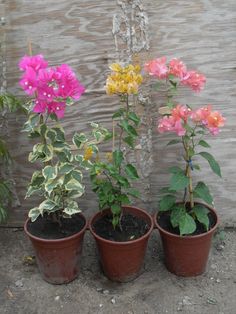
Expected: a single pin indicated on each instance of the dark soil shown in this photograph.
(132, 228)
(164, 221)
(47, 229)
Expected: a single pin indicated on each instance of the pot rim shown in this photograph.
(122, 243)
(197, 236)
(56, 240)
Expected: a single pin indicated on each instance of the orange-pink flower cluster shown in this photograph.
(181, 116)
(160, 69)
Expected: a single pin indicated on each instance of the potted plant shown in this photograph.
(8, 103)
(185, 223)
(55, 226)
(121, 231)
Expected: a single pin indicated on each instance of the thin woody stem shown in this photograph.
(188, 173)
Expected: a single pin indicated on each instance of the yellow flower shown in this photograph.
(88, 153)
(109, 156)
(124, 80)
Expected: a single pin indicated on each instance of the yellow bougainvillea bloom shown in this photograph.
(88, 153)
(124, 80)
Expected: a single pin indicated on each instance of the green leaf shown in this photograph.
(47, 205)
(175, 170)
(178, 181)
(37, 179)
(167, 190)
(77, 175)
(119, 113)
(116, 209)
(201, 190)
(34, 213)
(176, 213)
(118, 157)
(74, 185)
(79, 139)
(173, 142)
(60, 134)
(51, 135)
(71, 208)
(123, 198)
(212, 162)
(203, 143)
(167, 202)
(187, 224)
(133, 117)
(128, 128)
(131, 172)
(66, 168)
(51, 185)
(197, 167)
(49, 172)
(31, 123)
(201, 213)
(129, 140)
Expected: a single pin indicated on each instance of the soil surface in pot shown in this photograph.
(163, 220)
(132, 228)
(47, 229)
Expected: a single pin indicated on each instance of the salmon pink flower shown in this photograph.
(36, 62)
(177, 68)
(201, 114)
(170, 124)
(194, 80)
(215, 120)
(157, 68)
(181, 112)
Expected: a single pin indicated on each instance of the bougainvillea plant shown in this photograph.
(190, 126)
(59, 181)
(111, 176)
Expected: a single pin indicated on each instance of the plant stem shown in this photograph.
(188, 173)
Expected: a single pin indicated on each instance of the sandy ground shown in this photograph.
(22, 291)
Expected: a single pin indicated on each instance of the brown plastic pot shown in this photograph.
(58, 260)
(122, 261)
(187, 256)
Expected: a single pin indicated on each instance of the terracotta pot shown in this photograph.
(58, 260)
(122, 261)
(187, 255)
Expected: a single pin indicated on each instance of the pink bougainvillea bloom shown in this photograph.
(178, 128)
(194, 80)
(165, 124)
(68, 84)
(36, 62)
(177, 68)
(215, 120)
(58, 108)
(40, 106)
(181, 112)
(201, 114)
(29, 81)
(157, 68)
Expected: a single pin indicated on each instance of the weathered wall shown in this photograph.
(78, 32)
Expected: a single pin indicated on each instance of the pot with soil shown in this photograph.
(55, 226)
(122, 250)
(186, 255)
(57, 249)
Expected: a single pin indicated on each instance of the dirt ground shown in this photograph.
(22, 291)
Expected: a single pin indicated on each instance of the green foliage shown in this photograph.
(11, 104)
(111, 178)
(212, 162)
(60, 179)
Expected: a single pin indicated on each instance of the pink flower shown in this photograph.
(215, 120)
(177, 68)
(170, 124)
(157, 68)
(201, 114)
(194, 80)
(40, 106)
(36, 62)
(68, 85)
(181, 112)
(29, 81)
(58, 108)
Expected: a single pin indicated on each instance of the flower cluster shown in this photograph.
(53, 87)
(123, 80)
(160, 69)
(182, 115)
